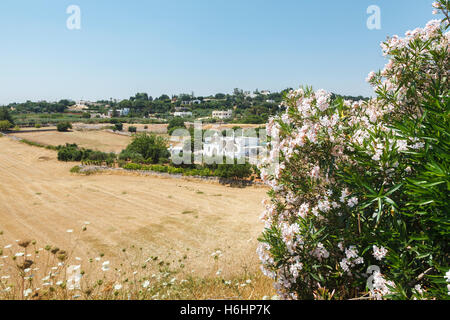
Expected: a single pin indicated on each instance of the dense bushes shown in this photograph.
(175, 123)
(71, 152)
(5, 125)
(234, 171)
(5, 116)
(359, 200)
(156, 168)
(146, 148)
(63, 126)
(223, 171)
(132, 129)
(134, 157)
(118, 126)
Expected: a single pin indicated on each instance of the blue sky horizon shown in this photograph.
(201, 46)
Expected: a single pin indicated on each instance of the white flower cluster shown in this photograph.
(381, 286)
(351, 259)
(379, 253)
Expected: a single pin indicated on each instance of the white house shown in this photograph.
(183, 114)
(124, 112)
(99, 115)
(222, 114)
(232, 147)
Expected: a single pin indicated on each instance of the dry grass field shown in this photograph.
(97, 140)
(41, 200)
(153, 128)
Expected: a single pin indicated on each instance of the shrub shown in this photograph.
(175, 123)
(75, 169)
(234, 171)
(63, 126)
(132, 166)
(131, 156)
(71, 152)
(4, 115)
(118, 126)
(363, 186)
(150, 147)
(5, 125)
(132, 129)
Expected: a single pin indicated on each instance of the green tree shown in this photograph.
(5, 125)
(64, 126)
(4, 115)
(152, 148)
(175, 123)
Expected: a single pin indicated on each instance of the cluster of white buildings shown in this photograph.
(121, 112)
(222, 114)
(217, 114)
(235, 147)
(253, 95)
(183, 114)
(196, 101)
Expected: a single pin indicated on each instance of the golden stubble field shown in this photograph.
(41, 200)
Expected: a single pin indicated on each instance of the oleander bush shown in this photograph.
(359, 198)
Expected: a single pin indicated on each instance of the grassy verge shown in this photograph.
(39, 145)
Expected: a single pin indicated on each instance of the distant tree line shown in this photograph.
(252, 109)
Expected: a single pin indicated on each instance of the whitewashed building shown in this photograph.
(236, 147)
(222, 114)
(183, 114)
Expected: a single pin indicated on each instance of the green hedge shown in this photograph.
(223, 171)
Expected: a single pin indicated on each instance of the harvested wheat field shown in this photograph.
(153, 128)
(97, 140)
(40, 199)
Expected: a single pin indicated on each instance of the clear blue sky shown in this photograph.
(205, 46)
